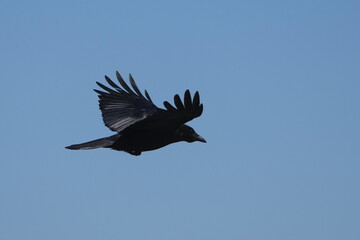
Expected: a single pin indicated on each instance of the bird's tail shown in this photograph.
(98, 143)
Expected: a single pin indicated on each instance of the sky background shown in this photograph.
(280, 83)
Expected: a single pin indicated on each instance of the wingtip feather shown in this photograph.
(178, 102)
(135, 87)
(187, 100)
(169, 107)
(148, 96)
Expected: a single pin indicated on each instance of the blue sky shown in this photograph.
(280, 84)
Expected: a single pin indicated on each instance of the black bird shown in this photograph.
(140, 125)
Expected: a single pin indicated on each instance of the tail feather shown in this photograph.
(98, 143)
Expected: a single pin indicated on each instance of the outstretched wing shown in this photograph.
(185, 111)
(173, 116)
(122, 107)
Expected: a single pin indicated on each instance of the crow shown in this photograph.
(140, 125)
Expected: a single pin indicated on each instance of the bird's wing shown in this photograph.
(183, 112)
(122, 107)
(173, 116)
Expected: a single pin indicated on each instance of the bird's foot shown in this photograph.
(135, 153)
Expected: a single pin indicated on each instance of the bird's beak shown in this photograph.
(200, 139)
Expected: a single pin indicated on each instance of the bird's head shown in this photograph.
(188, 134)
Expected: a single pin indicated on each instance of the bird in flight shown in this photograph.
(140, 125)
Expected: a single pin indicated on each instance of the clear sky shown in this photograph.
(280, 83)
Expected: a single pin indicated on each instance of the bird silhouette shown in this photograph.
(140, 125)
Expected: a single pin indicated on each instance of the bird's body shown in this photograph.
(142, 126)
(141, 140)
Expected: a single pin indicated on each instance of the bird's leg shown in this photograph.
(135, 153)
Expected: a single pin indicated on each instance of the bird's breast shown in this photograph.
(145, 140)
